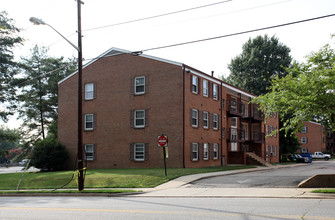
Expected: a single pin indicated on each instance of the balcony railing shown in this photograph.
(256, 114)
(237, 108)
(237, 135)
(258, 137)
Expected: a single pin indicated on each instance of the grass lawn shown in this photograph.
(103, 178)
(324, 191)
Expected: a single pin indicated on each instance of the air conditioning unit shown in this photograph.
(304, 150)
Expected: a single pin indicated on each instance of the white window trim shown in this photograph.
(135, 119)
(215, 149)
(196, 119)
(205, 88)
(304, 129)
(196, 84)
(215, 92)
(195, 149)
(135, 85)
(139, 145)
(304, 140)
(205, 151)
(86, 128)
(203, 118)
(215, 121)
(89, 95)
(91, 158)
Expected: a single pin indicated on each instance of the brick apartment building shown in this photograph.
(312, 138)
(129, 100)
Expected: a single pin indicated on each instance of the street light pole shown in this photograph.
(80, 161)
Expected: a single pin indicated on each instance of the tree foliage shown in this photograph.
(262, 59)
(36, 98)
(307, 93)
(9, 39)
(49, 155)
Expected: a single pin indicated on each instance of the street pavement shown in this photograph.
(179, 187)
(16, 169)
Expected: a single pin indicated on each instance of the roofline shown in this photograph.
(122, 52)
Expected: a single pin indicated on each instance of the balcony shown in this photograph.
(256, 114)
(237, 108)
(258, 137)
(237, 135)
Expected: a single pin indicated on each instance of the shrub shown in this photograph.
(49, 155)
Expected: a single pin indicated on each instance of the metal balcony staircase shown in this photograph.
(258, 159)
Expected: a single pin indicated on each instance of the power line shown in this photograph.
(230, 35)
(157, 16)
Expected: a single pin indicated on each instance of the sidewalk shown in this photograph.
(179, 188)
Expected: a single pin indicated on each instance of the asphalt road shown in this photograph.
(82, 208)
(273, 178)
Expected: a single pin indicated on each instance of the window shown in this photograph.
(275, 129)
(89, 91)
(205, 155)
(215, 151)
(89, 122)
(233, 105)
(139, 116)
(139, 151)
(194, 152)
(139, 85)
(194, 118)
(205, 88)
(195, 84)
(89, 152)
(233, 146)
(274, 153)
(304, 129)
(215, 122)
(215, 92)
(304, 140)
(205, 119)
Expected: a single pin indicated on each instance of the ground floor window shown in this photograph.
(233, 146)
(205, 152)
(215, 151)
(89, 152)
(194, 152)
(139, 151)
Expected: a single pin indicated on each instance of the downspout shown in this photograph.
(221, 138)
(184, 165)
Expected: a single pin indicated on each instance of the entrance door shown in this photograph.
(233, 134)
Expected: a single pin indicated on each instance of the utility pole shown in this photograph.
(80, 110)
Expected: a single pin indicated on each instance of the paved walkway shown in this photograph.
(179, 188)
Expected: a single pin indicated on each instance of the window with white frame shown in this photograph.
(139, 151)
(205, 119)
(215, 92)
(304, 129)
(304, 140)
(205, 155)
(89, 152)
(274, 153)
(89, 91)
(215, 151)
(139, 118)
(233, 105)
(194, 118)
(194, 152)
(205, 88)
(194, 84)
(139, 85)
(89, 122)
(215, 122)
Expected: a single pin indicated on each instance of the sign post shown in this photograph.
(162, 142)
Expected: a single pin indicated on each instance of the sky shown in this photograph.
(227, 17)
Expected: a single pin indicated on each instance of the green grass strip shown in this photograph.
(324, 191)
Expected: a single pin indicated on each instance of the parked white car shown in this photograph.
(23, 162)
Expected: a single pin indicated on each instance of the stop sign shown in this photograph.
(162, 141)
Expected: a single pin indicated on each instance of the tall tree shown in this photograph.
(307, 93)
(8, 40)
(262, 59)
(37, 89)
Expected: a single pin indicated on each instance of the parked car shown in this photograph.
(320, 155)
(23, 162)
(301, 159)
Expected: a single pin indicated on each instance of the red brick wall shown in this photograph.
(315, 137)
(113, 104)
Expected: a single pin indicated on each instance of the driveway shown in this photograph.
(16, 169)
(288, 177)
